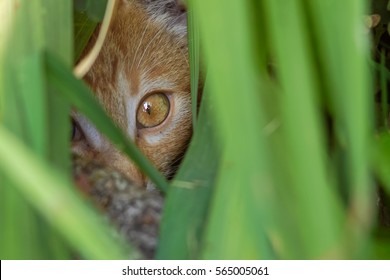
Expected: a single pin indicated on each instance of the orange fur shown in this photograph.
(143, 53)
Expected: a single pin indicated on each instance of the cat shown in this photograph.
(141, 78)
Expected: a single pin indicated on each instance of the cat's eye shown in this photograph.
(153, 110)
(77, 134)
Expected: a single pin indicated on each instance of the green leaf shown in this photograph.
(95, 9)
(84, 27)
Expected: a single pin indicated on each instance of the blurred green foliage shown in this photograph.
(289, 150)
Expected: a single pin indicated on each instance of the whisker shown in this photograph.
(154, 38)
(140, 43)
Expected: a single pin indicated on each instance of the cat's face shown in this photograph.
(141, 78)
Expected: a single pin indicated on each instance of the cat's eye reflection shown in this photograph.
(153, 110)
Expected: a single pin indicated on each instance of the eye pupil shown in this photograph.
(153, 110)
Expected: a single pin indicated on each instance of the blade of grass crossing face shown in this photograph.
(187, 202)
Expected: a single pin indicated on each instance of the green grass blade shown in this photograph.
(58, 39)
(48, 191)
(236, 224)
(33, 107)
(83, 29)
(87, 14)
(190, 192)
(96, 9)
(304, 133)
(21, 240)
(344, 53)
(194, 49)
(58, 28)
(25, 111)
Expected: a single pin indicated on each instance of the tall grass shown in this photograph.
(284, 159)
(35, 129)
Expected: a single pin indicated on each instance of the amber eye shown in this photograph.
(153, 110)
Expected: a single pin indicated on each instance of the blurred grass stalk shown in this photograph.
(38, 116)
(346, 50)
(26, 114)
(58, 203)
(238, 219)
(279, 195)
